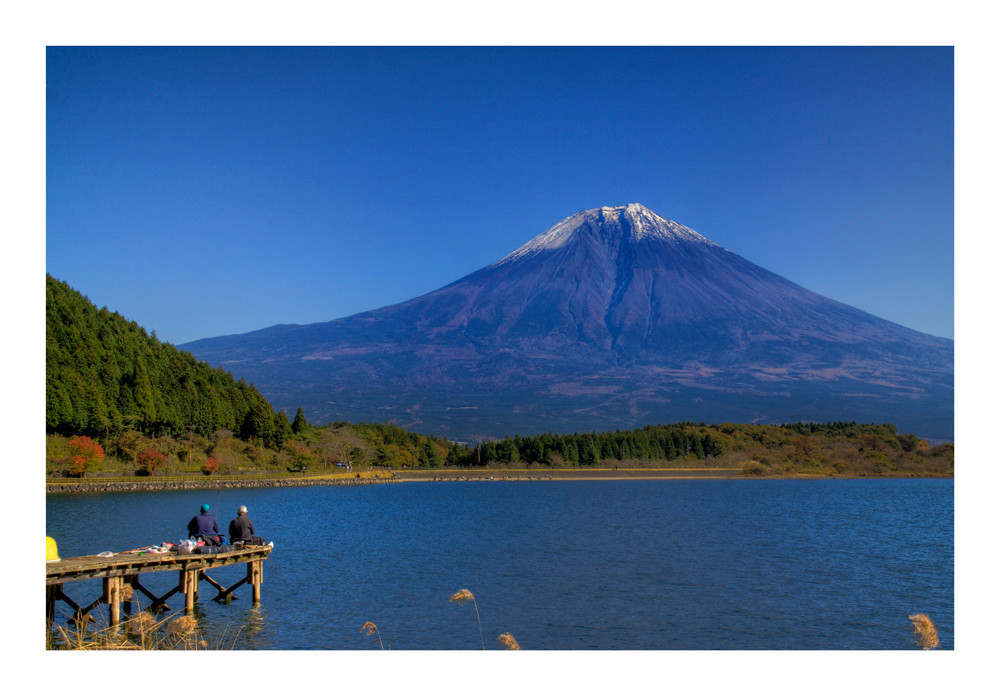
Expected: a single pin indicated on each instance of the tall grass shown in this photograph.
(463, 596)
(142, 631)
(460, 597)
(925, 631)
(371, 629)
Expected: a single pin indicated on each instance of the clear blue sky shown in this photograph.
(209, 191)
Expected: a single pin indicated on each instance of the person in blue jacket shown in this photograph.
(205, 527)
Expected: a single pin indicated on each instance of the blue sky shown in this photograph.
(209, 191)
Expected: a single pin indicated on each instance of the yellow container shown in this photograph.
(51, 550)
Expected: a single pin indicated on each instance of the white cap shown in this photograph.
(243, 509)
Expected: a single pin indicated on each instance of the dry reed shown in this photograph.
(140, 632)
(925, 632)
(369, 629)
(508, 641)
(463, 596)
(182, 626)
(144, 626)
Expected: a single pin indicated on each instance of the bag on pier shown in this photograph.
(214, 549)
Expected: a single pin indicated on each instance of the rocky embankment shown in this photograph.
(97, 486)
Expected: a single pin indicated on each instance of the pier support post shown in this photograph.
(189, 586)
(52, 593)
(255, 576)
(113, 596)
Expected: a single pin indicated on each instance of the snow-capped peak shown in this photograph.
(644, 223)
(634, 220)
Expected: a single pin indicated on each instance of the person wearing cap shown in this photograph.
(241, 529)
(205, 527)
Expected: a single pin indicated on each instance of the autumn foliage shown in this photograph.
(211, 465)
(84, 454)
(149, 460)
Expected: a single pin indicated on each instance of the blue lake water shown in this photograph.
(561, 565)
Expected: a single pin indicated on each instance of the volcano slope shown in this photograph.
(613, 318)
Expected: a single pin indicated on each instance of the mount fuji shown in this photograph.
(613, 318)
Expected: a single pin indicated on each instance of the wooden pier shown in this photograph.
(124, 569)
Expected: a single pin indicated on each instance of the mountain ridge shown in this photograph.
(616, 315)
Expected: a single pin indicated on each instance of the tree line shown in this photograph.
(695, 442)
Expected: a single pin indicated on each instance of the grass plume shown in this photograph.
(925, 631)
(369, 629)
(463, 596)
(508, 641)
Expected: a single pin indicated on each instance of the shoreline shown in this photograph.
(443, 476)
(513, 475)
(97, 486)
(635, 475)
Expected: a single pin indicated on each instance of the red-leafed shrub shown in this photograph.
(150, 460)
(84, 454)
(210, 466)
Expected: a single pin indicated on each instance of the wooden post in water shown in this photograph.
(255, 576)
(113, 596)
(189, 583)
(52, 593)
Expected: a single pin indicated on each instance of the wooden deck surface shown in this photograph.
(83, 567)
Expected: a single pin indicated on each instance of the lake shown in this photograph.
(561, 565)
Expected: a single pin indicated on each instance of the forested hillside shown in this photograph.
(105, 374)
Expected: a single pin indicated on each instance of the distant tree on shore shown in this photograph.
(84, 454)
(299, 423)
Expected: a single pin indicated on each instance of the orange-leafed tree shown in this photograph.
(210, 466)
(84, 454)
(149, 460)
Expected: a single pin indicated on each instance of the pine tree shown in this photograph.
(282, 431)
(299, 423)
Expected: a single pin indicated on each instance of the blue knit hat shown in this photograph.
(205, 508)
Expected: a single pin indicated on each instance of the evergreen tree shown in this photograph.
(572, 455)
(143, 391)
(299, 423)
(696, 447)
(282, 430)
(259, 422)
